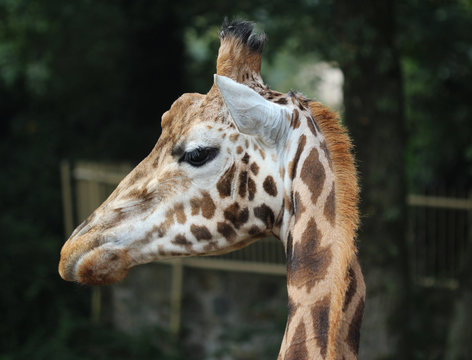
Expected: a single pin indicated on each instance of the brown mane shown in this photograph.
(340, 149)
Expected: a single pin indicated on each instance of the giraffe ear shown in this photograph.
(252, 114)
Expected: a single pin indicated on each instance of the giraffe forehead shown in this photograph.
(204, 133)
(192, 118)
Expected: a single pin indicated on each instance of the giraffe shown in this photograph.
(230, 167)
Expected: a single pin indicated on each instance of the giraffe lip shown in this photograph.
(68, 264)
(67, 271)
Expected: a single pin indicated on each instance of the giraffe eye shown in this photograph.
(200, 156)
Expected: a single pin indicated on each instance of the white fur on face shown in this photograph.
(167, 207)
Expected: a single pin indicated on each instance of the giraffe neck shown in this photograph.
(324, 282)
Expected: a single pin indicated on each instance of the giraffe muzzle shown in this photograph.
(84, 262)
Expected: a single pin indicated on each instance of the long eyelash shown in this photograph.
(209, 152)
(185, 156)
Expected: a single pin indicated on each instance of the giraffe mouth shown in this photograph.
(84, 262)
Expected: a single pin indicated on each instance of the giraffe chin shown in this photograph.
(100, 267)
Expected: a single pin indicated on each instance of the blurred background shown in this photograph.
(82, 87)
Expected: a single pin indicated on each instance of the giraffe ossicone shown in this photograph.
(232, 166)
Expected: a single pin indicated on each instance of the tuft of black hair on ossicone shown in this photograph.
(243, 30)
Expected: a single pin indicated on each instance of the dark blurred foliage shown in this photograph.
(90, 80)
(435, 43)
(78, 79)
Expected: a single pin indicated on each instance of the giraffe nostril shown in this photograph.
(81, 229)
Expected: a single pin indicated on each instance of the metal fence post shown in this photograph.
(67, 198)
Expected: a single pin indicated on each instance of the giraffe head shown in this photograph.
(231, 166)
(211, 184)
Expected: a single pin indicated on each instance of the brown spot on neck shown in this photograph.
(330, 207)
(307, 262)
(294, 163)
(292, 309)
(352, 288)
(298, 207)
(320, 315)
(295, 119)
(297, 349)
(354, 329)
(313, 174)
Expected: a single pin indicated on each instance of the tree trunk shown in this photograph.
(459, 346)
(374, 114)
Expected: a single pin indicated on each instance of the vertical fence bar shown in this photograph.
(452, 244)
(67, 204)
(176, 297)
(433, 240)
(424, 245)
(443, 239)
(469, 225)
(410, 241)
(96, 304)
